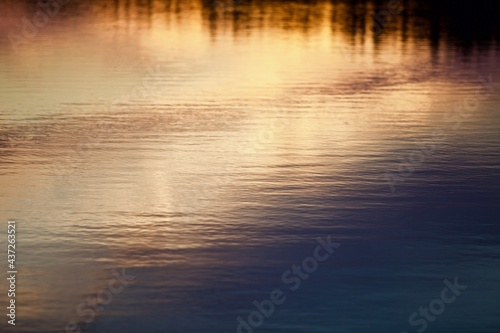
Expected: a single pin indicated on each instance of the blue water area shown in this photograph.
(251, 166)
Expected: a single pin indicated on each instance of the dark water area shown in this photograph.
(251, 166)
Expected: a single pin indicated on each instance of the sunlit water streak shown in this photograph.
(262, 127)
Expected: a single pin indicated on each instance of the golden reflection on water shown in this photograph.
(265, 49)
(245, 99)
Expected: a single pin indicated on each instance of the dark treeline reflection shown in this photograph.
(464, 22)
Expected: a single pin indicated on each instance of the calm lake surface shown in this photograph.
(204, 146)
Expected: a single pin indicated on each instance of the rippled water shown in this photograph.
(204, 146)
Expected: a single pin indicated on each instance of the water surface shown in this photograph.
(204, 146)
